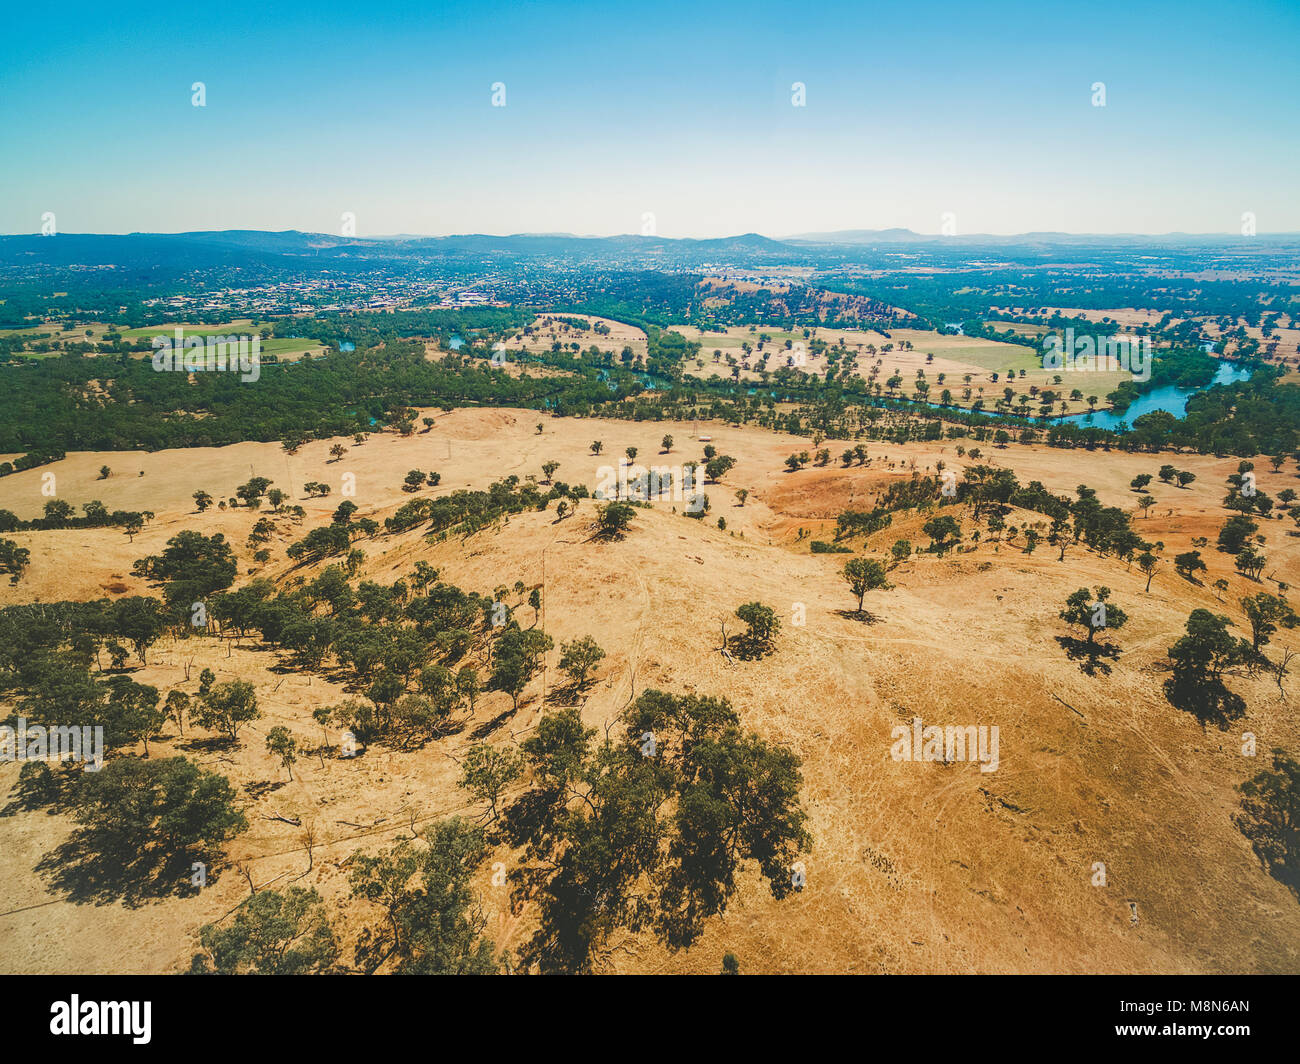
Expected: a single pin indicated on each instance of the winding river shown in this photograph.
(1169, 398)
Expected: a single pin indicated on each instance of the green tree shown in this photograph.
(1265, 612)
(226, 708)
(132, 713)
(138, 620)
(1188, 564)
(717, 468)
(944, 533)
(253, 488)
(863, 575)
(177, 705)
(1148, 563)
(193, 566)
(1250, 562)
(1235, 533)
(671, 811)
(432, 925)
(1093, 612)
(140, 812)
(613, 520)
(578, 658)
(511, 675)
(14, 559)
(1200, 660)
(488, 770)
(270, 934)
(281, 744)
(467, 684)
(762, 625)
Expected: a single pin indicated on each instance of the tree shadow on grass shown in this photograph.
(747, 649)
(206, 744)
(39, 787)
(567, 694)
(489, 726)
(526, 820)
(1091, 656)
(862, 617)
(91, 867)
(1208, 700)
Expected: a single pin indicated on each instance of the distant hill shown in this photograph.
(250, 248)
(861, 236)
(231, 247)
(877, 237)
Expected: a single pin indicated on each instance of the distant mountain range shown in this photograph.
(240, 247)
(879, 237)
(231, 246)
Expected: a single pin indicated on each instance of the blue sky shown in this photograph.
(682, 111)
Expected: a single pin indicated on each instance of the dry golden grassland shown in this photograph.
(916, 867)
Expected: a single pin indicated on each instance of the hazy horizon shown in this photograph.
(807, 236)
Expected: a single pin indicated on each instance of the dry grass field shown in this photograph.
(283, 348)
(916, 867)
(1286, 336)
(954, 357)
(946, 360)
(551, 329)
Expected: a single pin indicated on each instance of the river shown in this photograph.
(1168, 398)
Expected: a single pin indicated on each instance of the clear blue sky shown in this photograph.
(680, 110)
